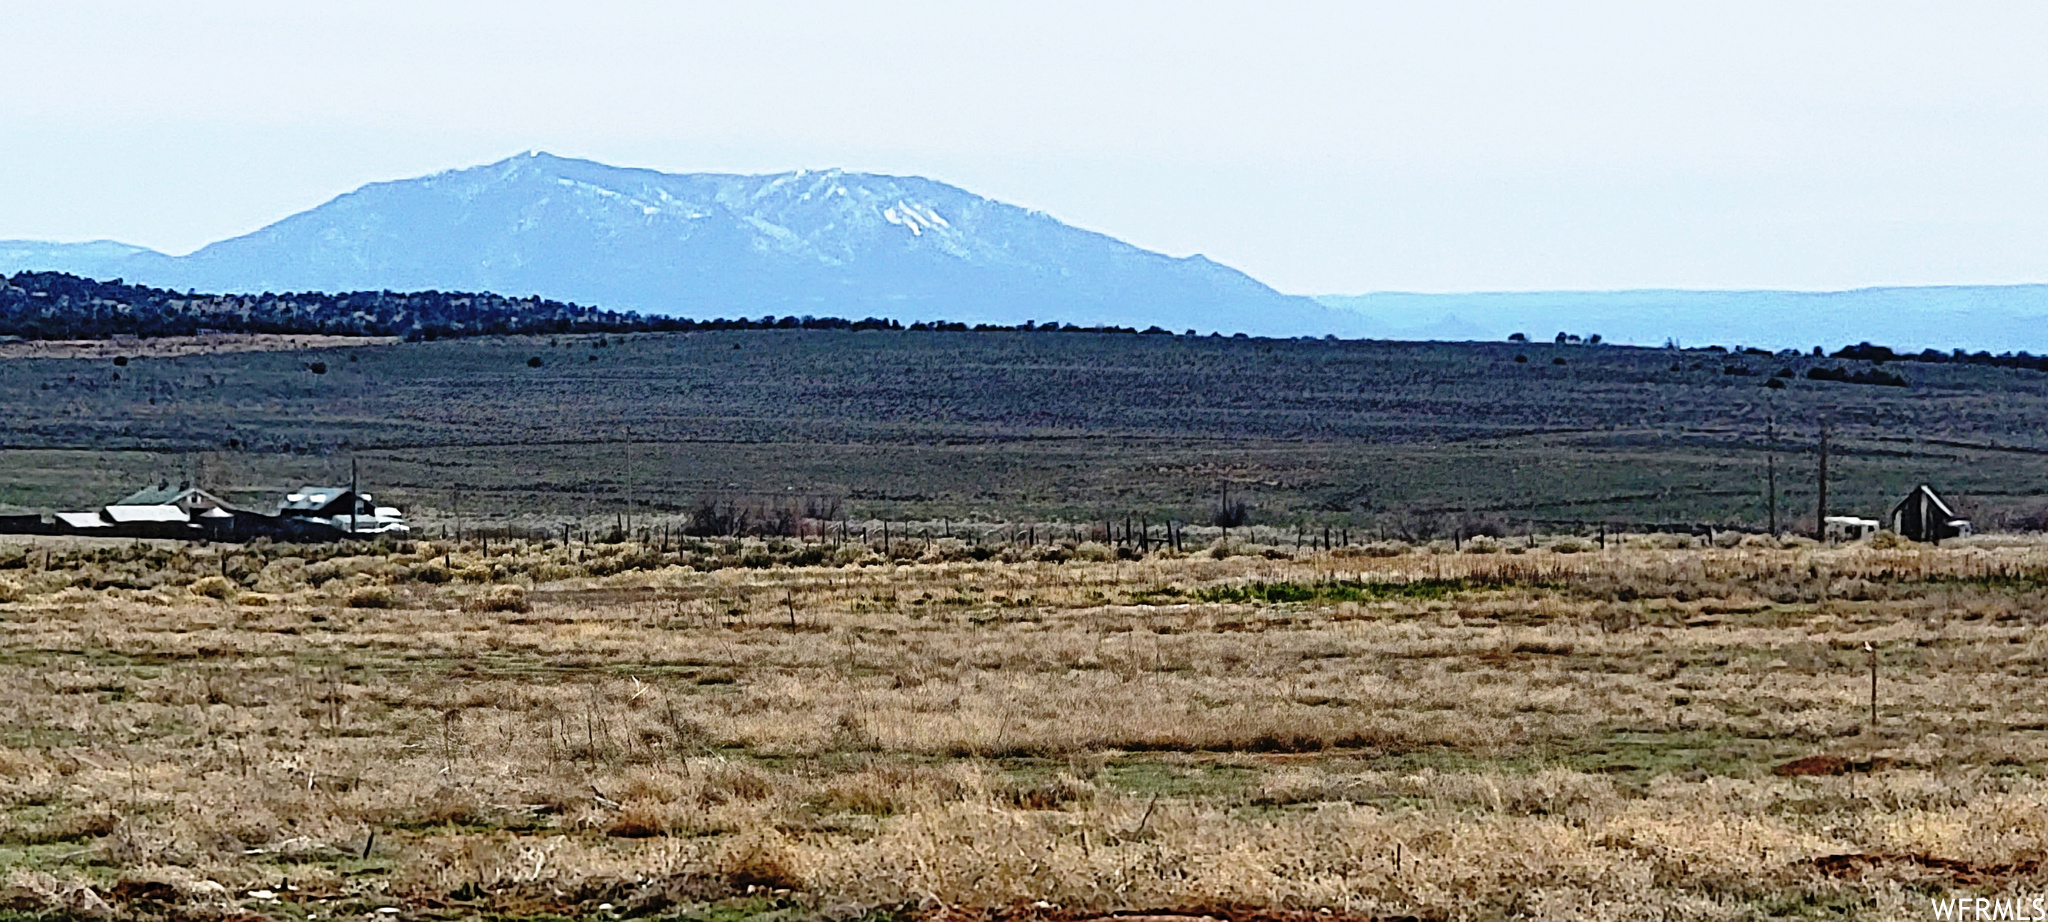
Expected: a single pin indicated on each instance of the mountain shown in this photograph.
(820, 243)
(97, 259)
(1998, 318)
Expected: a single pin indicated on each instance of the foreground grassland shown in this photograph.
(1547, 732)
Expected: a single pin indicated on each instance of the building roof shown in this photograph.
(163, 494)
(309, 498)
(1946, 512)
(125, 514)
(83, 520)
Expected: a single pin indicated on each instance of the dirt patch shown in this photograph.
(1223, 913)
(1962, 872)
(624, 595)
(145, 891)
(631, 898)
(1813, 766)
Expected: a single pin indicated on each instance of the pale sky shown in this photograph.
(1321, 147)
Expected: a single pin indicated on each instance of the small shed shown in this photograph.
(1923, 516)
(1844, 528)
(82, 523)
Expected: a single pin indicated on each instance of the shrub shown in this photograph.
(321, 573)
(212, 587)
(500, 598)
(1870, 376)
(1482, 544)
(1385, 549)
(1094, 552)
(1573, 546)
(1889, 541)
(1663, 541)
(10, 591)
(760, 860)
(2032, 518)
(1230, 512)
(282, 575)
(371, 597)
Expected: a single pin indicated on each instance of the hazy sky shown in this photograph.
(1322, 147)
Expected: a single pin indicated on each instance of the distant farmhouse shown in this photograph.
(190, 513)
(1922, 516)
(341, 510)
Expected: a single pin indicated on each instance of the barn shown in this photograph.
(1923, 516)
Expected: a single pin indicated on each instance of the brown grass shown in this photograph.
(1540, 734)
(169, 346)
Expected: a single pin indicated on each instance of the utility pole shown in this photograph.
(1821, 508)
(1771, 469)
(353, 496)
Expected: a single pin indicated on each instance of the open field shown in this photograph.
(731, 730)
(171, 346)
(1412, 438)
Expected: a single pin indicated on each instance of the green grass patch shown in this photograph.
(1161, 779)
(1637, 755)
(1336, 591)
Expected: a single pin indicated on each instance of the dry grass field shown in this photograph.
(718, 732)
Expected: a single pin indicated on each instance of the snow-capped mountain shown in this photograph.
(823, 243)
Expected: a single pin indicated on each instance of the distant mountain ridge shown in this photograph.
(829, 243)
(1998, 318)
